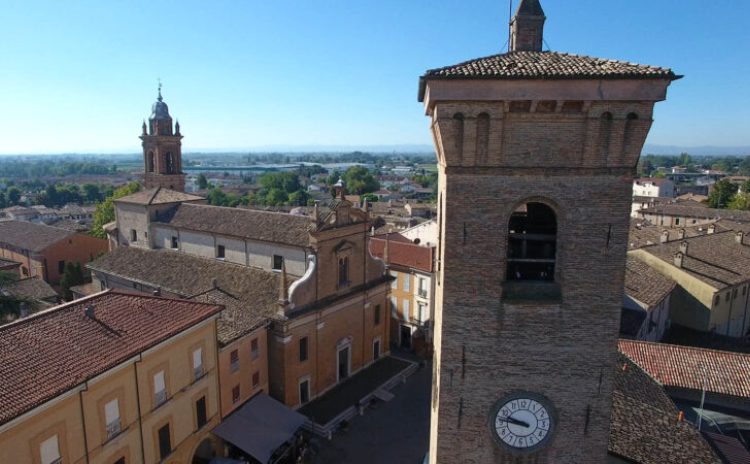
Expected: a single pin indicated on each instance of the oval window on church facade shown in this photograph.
(532, 243)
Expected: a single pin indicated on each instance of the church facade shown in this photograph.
(305, 302)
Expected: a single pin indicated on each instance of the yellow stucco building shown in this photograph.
(112, 378)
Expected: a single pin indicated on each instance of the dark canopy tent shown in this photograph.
(260, 427)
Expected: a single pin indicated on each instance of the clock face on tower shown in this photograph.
(522, 422)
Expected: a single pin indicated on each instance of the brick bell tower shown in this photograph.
(536, 151)
(162, 149)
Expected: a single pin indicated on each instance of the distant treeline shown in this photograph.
(376, 159)
(29, 168)
(732, 165)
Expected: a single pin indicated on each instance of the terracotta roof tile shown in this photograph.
(683, 366)
(32, 287)
(252, 224)
(716, 259)
(249, 294)
(547, 65)
(645, 284)
(31, 236)
(697, 210)
(642, 233)
(53, 351)
(644, 427)
(405, 254)
(157, 196)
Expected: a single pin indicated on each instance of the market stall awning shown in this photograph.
(260, 427)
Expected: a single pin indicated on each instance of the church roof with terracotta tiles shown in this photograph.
(158, 196)
(249, 295)
(717, 259)
(645, 425)
(49, 353)
(685, 366)
(267, 226)
(646, 284)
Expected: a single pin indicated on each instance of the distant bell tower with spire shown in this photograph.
(162, 149)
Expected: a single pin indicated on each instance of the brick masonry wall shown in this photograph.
(487, 347)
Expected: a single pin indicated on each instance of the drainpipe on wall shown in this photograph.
(83, 421)
(138, 403)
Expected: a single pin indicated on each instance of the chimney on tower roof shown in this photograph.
(527, 27)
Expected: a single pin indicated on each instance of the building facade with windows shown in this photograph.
(131, 379)
(412, 291)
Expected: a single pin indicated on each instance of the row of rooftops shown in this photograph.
(56, 350)
(249, 295)
(31, 236)
(191, 213)
(53, 351)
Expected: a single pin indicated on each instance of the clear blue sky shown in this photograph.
(80, 76)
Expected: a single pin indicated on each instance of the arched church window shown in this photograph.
(170, 163)
(343, 271)
(532, 243)
(150, 161)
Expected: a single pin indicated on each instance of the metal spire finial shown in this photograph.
(159, 97)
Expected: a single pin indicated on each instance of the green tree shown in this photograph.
(202, 181)
(72, 276)
(10, 305)
(3, 201)
(91, 193)
(685, 159)
(721, 194)
(359, 180)
(105, 211)
(740, 201)
(276, 197)
(370, 197)
(14, 196)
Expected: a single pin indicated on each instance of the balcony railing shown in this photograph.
(160, 397)
(422, 293)
(113, 429)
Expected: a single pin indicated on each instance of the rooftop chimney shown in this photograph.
(214, 283)
(664, 238)
(681, 234)
(684, 247)
(678, 259)
(711, 228)
(89, 312)
(739, 236)
(527, 27)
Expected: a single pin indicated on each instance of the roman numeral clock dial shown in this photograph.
(522, 422)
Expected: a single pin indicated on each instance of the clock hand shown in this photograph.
(513, 421)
